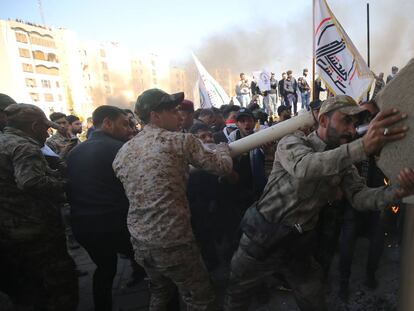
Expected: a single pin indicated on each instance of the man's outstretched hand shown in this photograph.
(406, 183)
(379, 132)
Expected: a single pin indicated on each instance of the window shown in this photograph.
(24, 53)
(27, 68)
(48, 97)
(104, 66)
(34, 96)
(107, 89)
(46, 84)
(42, 42)
(60, 97)
(39, 55)
(51, 57)
(21, 37)
(103, 53)
(57, 84)
(53, 71)
(106, 77)
(30, 82)
(154, 81)
(154, 73)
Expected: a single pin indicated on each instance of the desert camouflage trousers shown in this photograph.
(180, 266)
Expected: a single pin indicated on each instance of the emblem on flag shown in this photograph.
(337, 61)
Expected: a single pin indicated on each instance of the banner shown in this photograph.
(262, 79)
(211, 93)
(337, 61)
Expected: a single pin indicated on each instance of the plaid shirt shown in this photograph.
(154, 169)
(306, 177)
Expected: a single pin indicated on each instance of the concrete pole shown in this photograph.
(407, 260)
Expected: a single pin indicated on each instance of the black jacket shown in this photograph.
(97, 197)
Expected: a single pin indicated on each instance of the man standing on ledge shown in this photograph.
(308, 173)
(153, 168)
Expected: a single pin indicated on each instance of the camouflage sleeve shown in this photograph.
(218, 162)
(362, 197)
(30, 171)
(52, 144)
(300, 160)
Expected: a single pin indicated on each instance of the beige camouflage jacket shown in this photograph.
(305, 177)
(154, 168)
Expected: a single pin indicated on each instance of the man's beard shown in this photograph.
(334, 138)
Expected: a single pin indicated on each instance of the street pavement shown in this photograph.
(385, 297)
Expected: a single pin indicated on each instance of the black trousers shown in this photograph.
(103, 248)
(354, 221)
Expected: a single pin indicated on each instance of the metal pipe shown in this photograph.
(270, 134)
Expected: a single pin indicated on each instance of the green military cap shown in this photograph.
(343, 103)
(23, 113)
(5, 100)
(155, 99)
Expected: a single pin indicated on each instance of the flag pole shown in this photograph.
(313, 52)
(368, 45)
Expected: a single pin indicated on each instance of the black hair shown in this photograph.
(71, 118)
(199, 127)
(128, 111)
(206, 113)
(5, 101)
(197, 113)
(282, 108)
(105, 111)
(216, 110)
(56, 116)
(223, 107)
(229, 109)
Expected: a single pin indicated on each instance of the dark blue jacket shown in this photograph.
(97, 197)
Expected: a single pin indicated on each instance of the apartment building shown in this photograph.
(30, 66)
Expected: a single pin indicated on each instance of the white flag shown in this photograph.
(337, 61)
(263, 79)
(211, 93)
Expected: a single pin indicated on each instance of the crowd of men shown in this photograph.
(288, 90)
(167, 195)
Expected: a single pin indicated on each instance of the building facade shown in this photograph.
(30, 67)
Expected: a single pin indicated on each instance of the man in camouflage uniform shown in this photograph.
(154, 168)
(308, 171)
(40, 274)
(62, 141)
